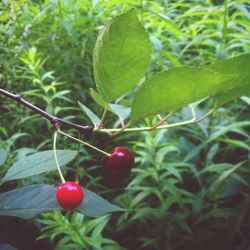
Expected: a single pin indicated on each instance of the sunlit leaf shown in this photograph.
(172, 89)
(121, 56)
(239, 66)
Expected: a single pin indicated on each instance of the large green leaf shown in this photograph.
(2, 156)
(38, 163)
(239, 65)
(172, 89)
(121, 56)
(29, 201)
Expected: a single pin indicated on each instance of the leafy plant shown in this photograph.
(77, 231)
(185, 178)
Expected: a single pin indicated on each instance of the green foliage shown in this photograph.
(95, 206)
(190, 188)
(38, 163)
(92, 116)
(227, 79)
(172, 199)
(29, 201)
(175, 88)
(121, 56)
(2, 156)
(78, 232)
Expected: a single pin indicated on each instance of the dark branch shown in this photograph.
(53, 119)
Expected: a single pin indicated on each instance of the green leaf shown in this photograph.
(172, 89)
(38, 163)
(240, 66)
(95, 206)
(223, 177)
(170, 26)
(91, 115)
(121, 56)
(121, 111)
(98, 98)
(246, 99)
(29, 201)
(3, 156)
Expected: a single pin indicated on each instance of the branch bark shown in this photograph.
(56, 121)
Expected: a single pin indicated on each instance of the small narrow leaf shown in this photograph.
(223, 177)
(29, 201)
(95, 206)
(91, 115)
(246, 99)
(98, 98)
(172, 89)
(3, 156)
(121, 56)
(121, 111)
(38, 163)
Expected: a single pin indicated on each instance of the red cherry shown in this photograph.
(120, 161)
(69, 195)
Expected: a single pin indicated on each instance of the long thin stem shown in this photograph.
(85, 143)
(112, 130)
(57, 163)
(53, 119)
(165, 126)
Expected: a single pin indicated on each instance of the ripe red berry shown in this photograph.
(69, 195)
(120, 161)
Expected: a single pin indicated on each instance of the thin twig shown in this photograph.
(103, 118)
(204, 116)
(162, 121)
(166, 126)
(56, 121)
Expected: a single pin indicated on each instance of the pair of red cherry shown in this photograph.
(70, 194)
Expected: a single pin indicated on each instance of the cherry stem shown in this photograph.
(57, 164)
(85, 143)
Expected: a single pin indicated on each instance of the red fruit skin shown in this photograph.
(69, 195)
(120, 161)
